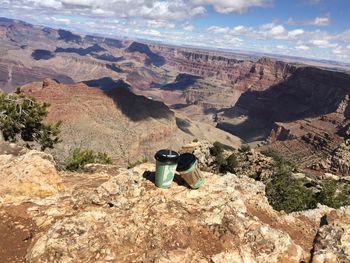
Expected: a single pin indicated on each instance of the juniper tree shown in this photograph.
(21, 118)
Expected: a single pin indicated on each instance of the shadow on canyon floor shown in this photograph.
(135, 107)
(183, 125)
(309, 92)
(249, 130)
(182, 82)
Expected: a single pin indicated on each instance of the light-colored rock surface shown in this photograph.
(128, 219)
(119, 215)
(27, 174)
(134, 222)
(332, 242)
(341, 159)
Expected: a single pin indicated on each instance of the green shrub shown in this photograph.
(223, 165)
(245, 148)
(21, 116)
(82, 157)
(289, 194)
(281, 163)
(334, 195)
(276, 156)
(132, 165)
(217, 149)
(229, 164)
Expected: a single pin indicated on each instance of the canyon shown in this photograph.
(129, 99)
(292, 107)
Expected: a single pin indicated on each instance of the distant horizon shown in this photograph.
(201, 47)
(313, 29)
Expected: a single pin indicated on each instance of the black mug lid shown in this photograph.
(186, 160)
(167, 156)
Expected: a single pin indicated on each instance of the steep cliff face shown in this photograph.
(15, 74)
(308, 92)
(223, 80)
(243, 75)
(305, 114)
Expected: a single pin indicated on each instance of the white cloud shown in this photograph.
(321, 21)
(322, 43)
(302, 47)
(267, 26)
(296, 32)
(341, 52)
(149, 32)
(148, 9)
(218, 30)
(345, 36)
(188, 27)
(277, 30)
(64, 21)
(172, 21)
(281, 47)
(160, 24)
(232, 6)
(317, 21)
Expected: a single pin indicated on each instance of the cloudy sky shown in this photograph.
(309, 28)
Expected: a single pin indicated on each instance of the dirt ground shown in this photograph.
(16, 234)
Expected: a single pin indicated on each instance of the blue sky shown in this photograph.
(318, 29)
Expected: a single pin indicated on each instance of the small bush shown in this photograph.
(132, 165)
(334, 195)
(281, 162)
(82, 157)
(195, 140)
(230, 164)
(223, 165)
(276, 156)
(289, 194)
(245, 148)
(217, 149)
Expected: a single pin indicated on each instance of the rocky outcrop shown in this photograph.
(340, 160)
(228, 220)
(251, 163)
(280, 133)
(26, 175)
(332, 240)
(112, 214)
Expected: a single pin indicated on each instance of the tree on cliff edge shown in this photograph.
(21, 118)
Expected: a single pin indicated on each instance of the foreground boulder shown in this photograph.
(26, 174)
